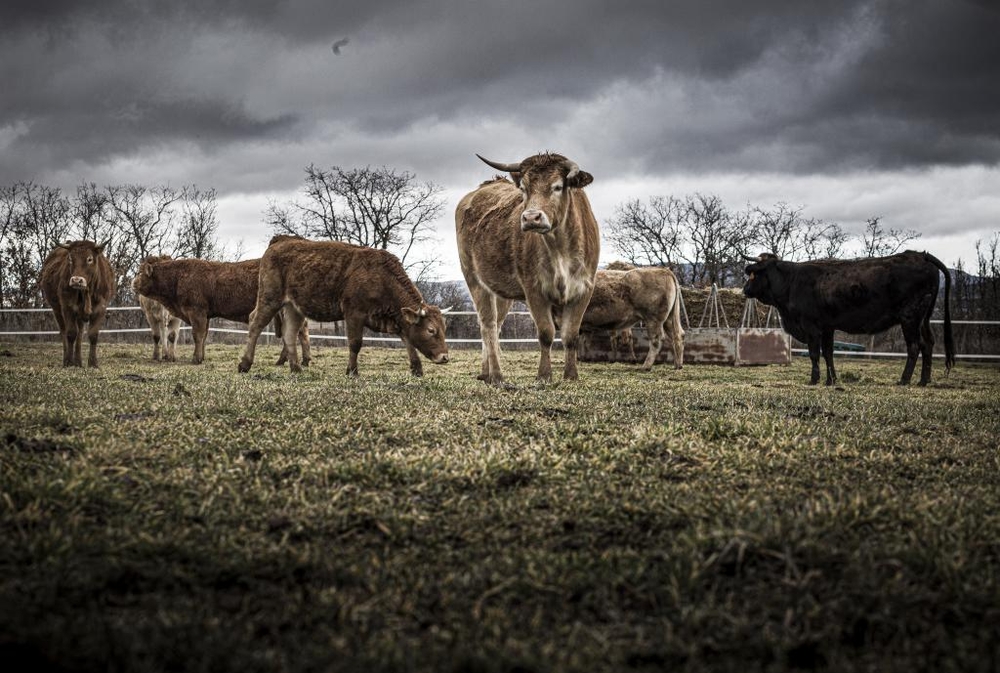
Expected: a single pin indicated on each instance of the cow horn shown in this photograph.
(750, 259)
(446, 310)
(571, 169)
(104, 245)
(64, 246)
(506, 168)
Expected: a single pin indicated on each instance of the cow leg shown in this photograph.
(199, 330)
(541, 313)
(416, 366)
(93, 333)
(304, 343)
(491, 310)
(926, 351)
(77, 343)
(157, 328)
(656, 336)
(279, 330)
(62, 321)
(267, 306)
(814, 349)
(355, 326)
(911, 333)
(292, 320)
(831, 373)
(170, 353)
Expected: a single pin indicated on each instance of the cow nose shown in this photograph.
(534, 220)
(531, 217)
(441, 359)
(78, 282)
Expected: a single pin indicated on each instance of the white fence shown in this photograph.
(395, 340)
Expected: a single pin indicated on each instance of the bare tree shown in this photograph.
(649, 234)
(198, 232)
(877, 241)
(8, 210)
(822, 240)
(38, 221)
(716, 241)
(145, 215)
(374, 207)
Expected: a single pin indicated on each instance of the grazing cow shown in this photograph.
(163, 326)
(861, 296)
(78, 283)
(534, 239)
(329, 280)
(196, 290)
(623, 298)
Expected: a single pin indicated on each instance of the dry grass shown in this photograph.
(171, 517)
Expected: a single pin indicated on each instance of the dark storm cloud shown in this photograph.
(645, 86)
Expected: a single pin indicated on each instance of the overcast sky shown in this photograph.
(850, 109)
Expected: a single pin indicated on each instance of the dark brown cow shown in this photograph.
(328, 281)
(196, 290)
(163, 325)
(77, 282)
(534, 239)
(649, 294)
(861, 296)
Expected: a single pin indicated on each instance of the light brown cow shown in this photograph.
(163, 325)
(196, 290)
(533, 239)
(328, 281)
(648, 294)
(77, 282)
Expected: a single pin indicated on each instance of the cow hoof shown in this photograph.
(244, 366)
(295, 369)
(305, 362)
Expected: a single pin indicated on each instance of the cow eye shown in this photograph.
(557, 188)
(431, 331)
(90, 260)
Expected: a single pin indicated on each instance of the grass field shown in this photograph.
(168, 517)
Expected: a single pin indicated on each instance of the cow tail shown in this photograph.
(949, 340)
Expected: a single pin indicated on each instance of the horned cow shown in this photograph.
(533, 239)
(328, 281)
(196, 290)
(78, 283)
(863, 296)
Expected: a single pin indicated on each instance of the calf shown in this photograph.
(624, 298)
(861, 296)
(78, 283)
(196, 290)
(329, 280)
(533, 239)
(163, 326)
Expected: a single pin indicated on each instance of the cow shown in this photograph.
(163, 325)
(621, 299)
(862, 296)
(78, 283)
(533, 238)
(330, 280)
(196, 290)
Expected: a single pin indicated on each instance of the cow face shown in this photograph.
(759, 279)
(145, 281)
(423, 328)
(82, 257)
(545, 181)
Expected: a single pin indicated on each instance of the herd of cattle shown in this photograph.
(529, 237)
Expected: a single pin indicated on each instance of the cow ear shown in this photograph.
(516, 177)
(580, 180)
(411, 315)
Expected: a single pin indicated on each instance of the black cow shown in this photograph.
(862, 296)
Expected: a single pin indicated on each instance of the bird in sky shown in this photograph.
(338, 44)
